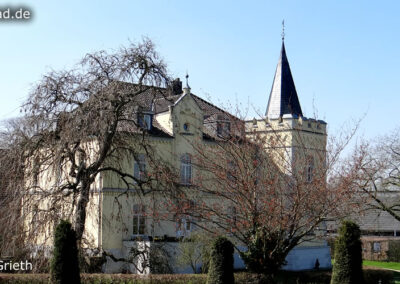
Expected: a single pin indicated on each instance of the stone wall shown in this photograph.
(377, 248)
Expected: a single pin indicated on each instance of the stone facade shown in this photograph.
(116, 217)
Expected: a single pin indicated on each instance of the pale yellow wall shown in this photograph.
(43, 206)
(295, 136)
(292, 132)
(298, 138)
(164, 119)
(110, 212)
(117, 214)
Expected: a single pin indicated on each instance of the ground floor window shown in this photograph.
(184, 226)
(139, 219)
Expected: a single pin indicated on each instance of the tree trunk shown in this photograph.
(80, 216)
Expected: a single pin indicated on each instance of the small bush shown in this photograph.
(195, 250)
(221, 264)
(347, 268)
(64, 265)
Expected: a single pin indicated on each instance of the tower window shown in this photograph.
(310, 169)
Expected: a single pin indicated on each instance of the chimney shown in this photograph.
(177, 87)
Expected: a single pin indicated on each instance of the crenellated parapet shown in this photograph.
(285, 123)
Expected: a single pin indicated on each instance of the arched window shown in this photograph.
(186, 169)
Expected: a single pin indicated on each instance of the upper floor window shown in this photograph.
(139, 219)
(232, 214)
(144, 120)
(231, 171)
(186, 127)
(139, 170)
(186, 169)
(223, 126)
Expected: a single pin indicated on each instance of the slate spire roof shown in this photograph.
(283, 97)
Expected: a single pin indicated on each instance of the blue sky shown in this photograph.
(343, 54)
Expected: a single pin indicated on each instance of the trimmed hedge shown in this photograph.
(221, 262)
(371, 276)
(347, 268)
(64, 265)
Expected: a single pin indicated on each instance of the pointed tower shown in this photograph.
(283, 97)
(288, 134)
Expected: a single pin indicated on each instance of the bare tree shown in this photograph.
(379, 173)
(79, 123)
(11, 184)
(250, 187)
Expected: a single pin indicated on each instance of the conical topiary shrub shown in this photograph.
(64, 264)
(347, 268)
(220, 270)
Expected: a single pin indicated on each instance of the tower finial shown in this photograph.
(186, 90)
(283, 30)
(187, 79)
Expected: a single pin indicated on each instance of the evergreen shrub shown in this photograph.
(347, 268)
(220, 270)
(64, 265)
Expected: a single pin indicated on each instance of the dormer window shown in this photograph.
(145, 120)
(223, 126)
(255, 123)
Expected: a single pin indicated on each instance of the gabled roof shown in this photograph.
(283, 97)
(163, 99)
(158, 100)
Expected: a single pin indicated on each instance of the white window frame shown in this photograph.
(184, 226)
(144, 120)
(223, 128)
(139, 220)
(186, 169)
(139, 167)
(377, 246)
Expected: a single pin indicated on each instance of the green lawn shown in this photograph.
(387, 265)
(382, 264)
